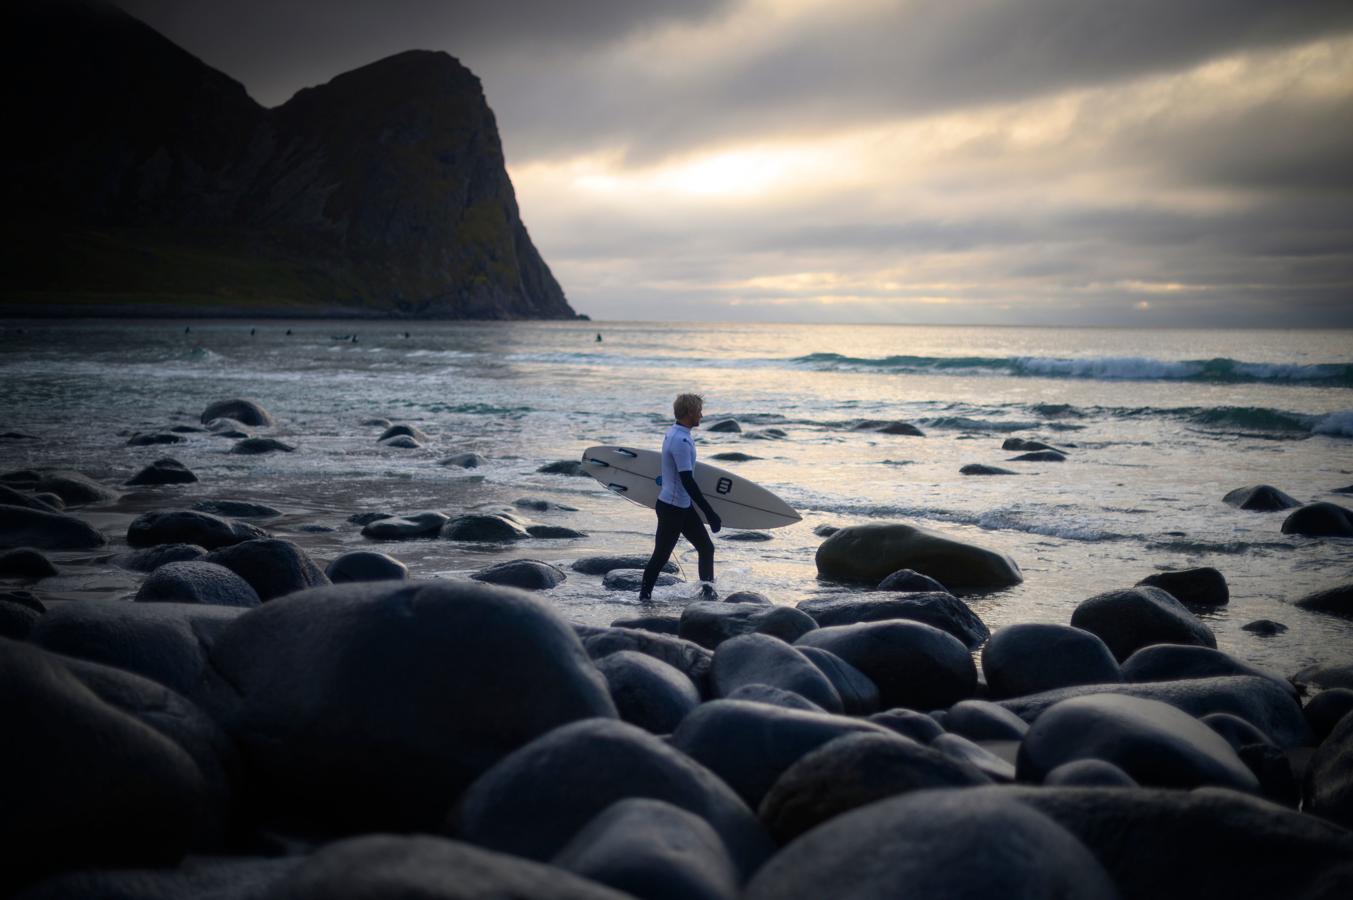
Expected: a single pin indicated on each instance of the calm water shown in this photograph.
(1160, 425)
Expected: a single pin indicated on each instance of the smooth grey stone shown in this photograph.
(825, 530)
(229, 878)
(236, 509)
(1030, 658)
(725, 426)
(734, 456)
(909, 723)
(17, 617)
(198, 582)
(913, 664)
(939, 609)
(538, 505)
(1260, 498)
(24, 527)
(1264, 627)
(188, 527)
(1157, 744)
(648, 692)
(982, 720)
(752, 659)
(656, 624)
(273, 566)
(246, 412)
(554, 532)
(571, 467)
(1271, 765)
(365, 565)
(979, 469)
(912, 582)
(1238, 732)
(154, 439)
(409, 431)
(748, 536)
(25, 562)
(652, 850)
(1320, 520)
(1023, 444)
(227, 427)
(1328, 788)
(464, 461)
(405, 528)
(1335, 600)
(483, 529)
(869, 553)
(1326, 709)
(749, 745)
(686, 657)
(367, 518)
(967, 843)
(436, 680)
(956, 746)
(1128, 620)
(600, 565)
(853, 771)
(74, 488)
(1089, 773)
(1175, 662)
(1325, 676)
(1043, 456)
(401, 442)
(11, 497)
(534, 801)
(51, 501)
(709, 623)
(252, 446)
(151, 558)
(527, 574)
(1193, 587)
(884, 426)
(633, 579)
(163, 471)
(773, 696)
(754, 597)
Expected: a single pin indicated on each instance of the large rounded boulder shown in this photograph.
(913, 664)
(185, 526)
(1128, 620)
(938, 608)
(1204, 586)
(761, 659)
(687, 657)
(273, 567)
(648, 693)
(406, 528)
(1260, 498)
(709, 623)
(197, 582)
(393, 696)
(246, 412)
(1320, 520)
(1030, 658)
(21, 526)
(869, 553)
(366, 565)
(1329, 778)
(527, 574)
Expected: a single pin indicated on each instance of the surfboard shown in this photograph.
(637, 475)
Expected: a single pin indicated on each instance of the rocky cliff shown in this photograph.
(142, 180)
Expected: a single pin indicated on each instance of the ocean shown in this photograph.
(1158, 425)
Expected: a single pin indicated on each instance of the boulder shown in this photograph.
(979, 469)
(633, 579)
(996, 767)
(734, 456)
(88, 785)
(906, 580)
(1336, 600)
(554, 532)
(188, 527)
(24, 527)
(600, 565)
(1326, 709)
(749, 745)
(754, 597)
(1264, 627)
(1237, 732)
(1328, 788)
(1023, 444)
(11, 497)
(1088, 773)
(25, 562)
(652, 850)
(401, 442)
(484, 529)
(936, 843)
(409, 431)
(405, 528)
(253, 446)
(536, 504)
(229, 428)
(436, 680)
(152, 558)
(19, 614)
(884, 426)
(427, 868)
(1320, 520)
(656, 624)
(748, 536)
(231, 878)
(1029, 658)
(725, 426)
(273, 566)
(686, 657)
(534, 801)
(762, 659)
(165, 642)
(853, 771)
(527, 574)
(197, 582)
(909, 723)
(365, 565)
(825, 530)
(939, 609)
(366, 518)
(647, 692)
(1155, 743)
(1260, 498)
(463, 461)
(1128, 620)
(163, 471)
(236, 509)
(1175, 662)
(913, 664)
(571, 467)
(74, 488)
(869, 553)
(982, 720)
(1192, 587)
(246, 412)
(1325, 676)
(155, 439)
(710, 623)
(1040, 456)
(773, 696)
(1258, 701)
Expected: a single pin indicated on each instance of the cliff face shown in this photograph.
(145, 176)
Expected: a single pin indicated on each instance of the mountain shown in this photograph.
(143, 181)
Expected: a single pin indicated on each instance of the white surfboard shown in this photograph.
(637, 475)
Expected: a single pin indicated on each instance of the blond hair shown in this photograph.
(685, 404)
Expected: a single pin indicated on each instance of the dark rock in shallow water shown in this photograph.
(1040, 456)
(163, 471)
(1260, 498)
(653, 850)
(600, 565)
(1130, 619)
(527, 574)
(225, 878)
(554, 532)
(632, 579)
(409, 431)
(749, 745)
(273, 566)
(982, 720)
(229, 428)
(24, 527)
(1022, 444)
(869, 553)
(909, 723)
(151, 440)
(25, 562)
(1032, 657)
(734, 456)
(1329, 676)
(754, 597)
(427, 868)
(246, 412)
(152, 558)
(859, 695)
(1326, 708)
(710, 623)
(1264, 627)
(342, 655)
(401, 442)
(1320, 520)
(686, 657)
(1173, 662)
(11, 497)
(565, 467)
(725, 426)
(236, 509)
(535, 800)
(483, 529)
(979, 469)
(761, 659)
(937, 843)
(18, 618)
(885, 426)
(463, 461)
(1336, 600)
(405, 528)
(1088, 773)
(1328, 788)
(825, 530)
(853, 771)
(1157, 744)
(647, 692)
(88, 785)
(367, 518)
(1192, 587)
(256, 445)
(203, 583)
(939, 609)
(366, 565)
(189, 527)
(535, 504)
(749, 536)
(907, 581)
(656, 624)
(914, 665)
(74, 488)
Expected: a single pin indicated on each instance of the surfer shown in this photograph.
(679, 497)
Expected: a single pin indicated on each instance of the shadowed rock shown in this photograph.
(1088, 773)
(632, 579)
(405, 528)
(74, 488)
(154, 439)
(1320, 520)
(163, 471)
(1336, 600)
(570, 467)
(939, 609)
(869, 553)
(236, 509)
(1326, 709)
(189, 527)
(647, 692)
(761, 659)
(909, 723)
(203, 583)
(725, 426)
(527, 574)
(246, 412)
(409, 431)
(913, 665)
(1260, 498)
(1192, 587)
(463, 461)
(483, 529)
(401, 442)
(907, 581)
(273, 566)
(710, 623)
(734, 456)
(152, 558)
(257, 445)
(1130, 619)
(1032, 657)
(1040, 456)
(656, 624)
(600, 565)
(979, 469)
(859, 695)
(1023, 444)
(24, 527)
(1328, 788)
(25, 562)
(554, 532)
(366, 565)
(686, 657)
(982, 720)
(11, 497)
(19, 614)
(1172, 662)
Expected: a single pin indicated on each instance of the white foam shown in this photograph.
(1108, 367)
(1338, 424)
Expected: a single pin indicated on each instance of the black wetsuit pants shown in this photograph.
(674, 521)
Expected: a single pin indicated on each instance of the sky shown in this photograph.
(1028, 162)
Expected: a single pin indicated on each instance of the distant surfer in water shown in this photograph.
(679, 497)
